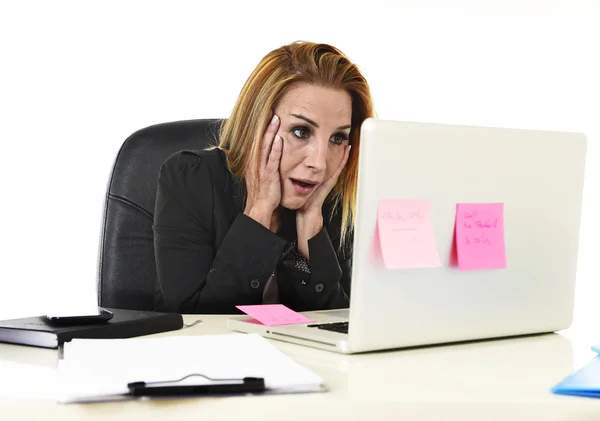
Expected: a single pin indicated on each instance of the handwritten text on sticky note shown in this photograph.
(274, 314)
(480, 236)
(406, 234)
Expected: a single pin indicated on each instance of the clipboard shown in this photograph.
(98, 370)
(246, 385)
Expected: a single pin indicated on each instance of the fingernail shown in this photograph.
(277, 138)
(274, 119)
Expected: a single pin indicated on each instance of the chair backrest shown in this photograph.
(126, 265)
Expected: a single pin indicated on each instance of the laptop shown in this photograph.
(538, 176)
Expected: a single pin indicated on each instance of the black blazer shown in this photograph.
(211, 257)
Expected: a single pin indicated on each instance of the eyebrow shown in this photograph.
(309, 121)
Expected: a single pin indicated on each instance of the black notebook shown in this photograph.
(39, 331)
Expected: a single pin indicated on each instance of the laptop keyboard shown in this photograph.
(341, 327)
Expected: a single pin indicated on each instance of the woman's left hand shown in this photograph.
(309, 218)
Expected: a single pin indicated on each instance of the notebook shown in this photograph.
(99, 370)
(39, 331)
(584, 382)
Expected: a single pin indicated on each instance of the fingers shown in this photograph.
(267, 140)
(274, 158)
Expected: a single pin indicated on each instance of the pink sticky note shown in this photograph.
(274, 314)
(406, 234)
(480, 236)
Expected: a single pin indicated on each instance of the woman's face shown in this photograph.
(315, 127)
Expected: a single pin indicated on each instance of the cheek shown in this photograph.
(291, 156)
(287, 157)
(334, 159)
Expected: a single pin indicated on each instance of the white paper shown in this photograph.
(93, 368)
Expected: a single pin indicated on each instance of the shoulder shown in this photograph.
(188, 165)
(187, 183)
(187, 160)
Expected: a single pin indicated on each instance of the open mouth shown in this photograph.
(303, 186)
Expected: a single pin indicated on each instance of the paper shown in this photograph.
(95, 370)
(480, 236)
(274, 314)
(406, 234)
(583, 382)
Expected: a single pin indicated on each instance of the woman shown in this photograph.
(267, 215)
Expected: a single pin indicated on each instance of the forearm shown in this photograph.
(307, 226)
(196, 278)
(320, 287)
(262, 215)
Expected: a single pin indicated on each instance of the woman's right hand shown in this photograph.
(264, 185)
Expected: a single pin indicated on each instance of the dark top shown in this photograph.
(211, 257)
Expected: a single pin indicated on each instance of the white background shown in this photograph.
(77, 77)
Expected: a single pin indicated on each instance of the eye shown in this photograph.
(339, 138)
(301, 132)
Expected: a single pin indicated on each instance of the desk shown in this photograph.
(488, 380)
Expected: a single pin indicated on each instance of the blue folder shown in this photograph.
(584, 382)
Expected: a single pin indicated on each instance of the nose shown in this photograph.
(316, 158)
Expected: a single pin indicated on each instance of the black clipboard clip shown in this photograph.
(217, 387)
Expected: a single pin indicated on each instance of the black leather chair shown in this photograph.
(126, 265)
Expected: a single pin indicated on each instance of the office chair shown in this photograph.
(126, 267)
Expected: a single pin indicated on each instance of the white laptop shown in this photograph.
(537, 175)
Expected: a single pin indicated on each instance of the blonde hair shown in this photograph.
(319, 64)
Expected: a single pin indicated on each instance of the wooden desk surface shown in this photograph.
(488, 380)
